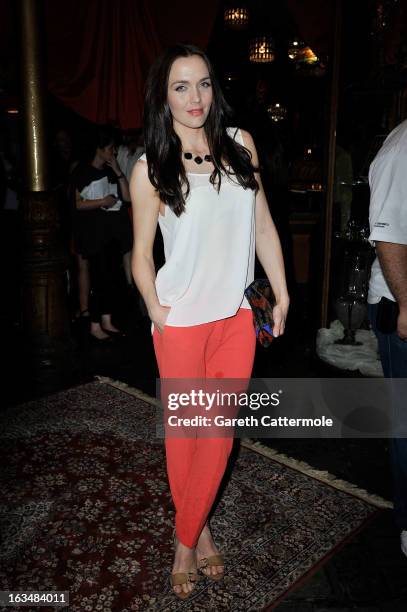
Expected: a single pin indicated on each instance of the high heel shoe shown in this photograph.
(180, 578)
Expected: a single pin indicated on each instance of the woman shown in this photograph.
(199, 184)
(101, 227)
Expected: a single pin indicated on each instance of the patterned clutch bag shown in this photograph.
(261, 298)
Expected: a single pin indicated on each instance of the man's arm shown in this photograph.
(82, 204)
(393, 262)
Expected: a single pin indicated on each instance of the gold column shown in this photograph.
(44, 310)
(33, 92)
(330, 167)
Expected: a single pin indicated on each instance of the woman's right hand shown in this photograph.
(159, 317)
(109, 201)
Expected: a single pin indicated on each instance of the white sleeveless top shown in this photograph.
(209, 251)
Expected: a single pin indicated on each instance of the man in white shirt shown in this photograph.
(388, 285)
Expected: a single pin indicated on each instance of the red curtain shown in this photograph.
(99, 51)
(314, 20)
(184, 20)
(395, 34)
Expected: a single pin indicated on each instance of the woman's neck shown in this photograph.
(192, 139)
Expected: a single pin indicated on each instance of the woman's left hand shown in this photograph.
(279, 317)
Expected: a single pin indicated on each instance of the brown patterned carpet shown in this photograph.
(85, 508)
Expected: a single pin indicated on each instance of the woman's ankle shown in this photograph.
(106, 320)
(97, 331)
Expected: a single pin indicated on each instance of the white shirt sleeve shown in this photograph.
(388, 197)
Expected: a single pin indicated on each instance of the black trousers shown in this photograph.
(101, 272)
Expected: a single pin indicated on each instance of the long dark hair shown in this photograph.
(163, 147)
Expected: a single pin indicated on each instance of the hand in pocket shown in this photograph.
(160, 318)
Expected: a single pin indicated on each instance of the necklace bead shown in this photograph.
(197, 159)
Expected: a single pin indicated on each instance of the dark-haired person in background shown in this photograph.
(198, 180)
(101, 227)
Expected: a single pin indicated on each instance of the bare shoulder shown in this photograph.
(144, 197)
(140, 180)
(247, 139)
(140, 170)
(249, 144)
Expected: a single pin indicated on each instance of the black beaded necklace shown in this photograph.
(198, 160)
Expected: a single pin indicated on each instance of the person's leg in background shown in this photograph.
(393, 355)
(107, 290)
(96, 272)
(121, 231)
(102, 292)
(83, 285)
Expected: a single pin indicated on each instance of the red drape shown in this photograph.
(99, 51)
(395, 33)
(314, 20)
(184, 20)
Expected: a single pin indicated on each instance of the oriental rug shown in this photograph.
(86, 508)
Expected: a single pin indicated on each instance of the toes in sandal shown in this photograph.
(183, 578)
(208, 562)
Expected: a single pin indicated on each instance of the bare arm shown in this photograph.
(393, 261)
(82, 204)
(124, 188)
(268, 247)
(146, 206)
(122, 181)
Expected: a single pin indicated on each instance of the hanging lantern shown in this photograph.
(309, 57)
(294, 49)
(236, 18)
(299, 53)
(277, 112)
(261, 50)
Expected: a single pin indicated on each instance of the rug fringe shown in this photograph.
(321, 475)
(258, 447)
(118, 384)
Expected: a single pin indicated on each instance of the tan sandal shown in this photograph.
(183, 578)
(180, 578)
(208, 562)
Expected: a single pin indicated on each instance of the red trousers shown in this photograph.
(195, 466)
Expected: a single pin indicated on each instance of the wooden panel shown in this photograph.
(301, 255)
(302, 227)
